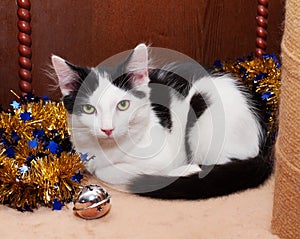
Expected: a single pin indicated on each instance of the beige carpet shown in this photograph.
(245, 215)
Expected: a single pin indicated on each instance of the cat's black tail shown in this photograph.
(213, 181)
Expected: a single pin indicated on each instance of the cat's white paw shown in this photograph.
(119, 174)
(185, 170)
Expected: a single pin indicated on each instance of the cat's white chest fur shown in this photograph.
(151, 150)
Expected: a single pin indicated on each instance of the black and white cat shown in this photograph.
(171, 132)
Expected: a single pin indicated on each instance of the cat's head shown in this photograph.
(106, 101)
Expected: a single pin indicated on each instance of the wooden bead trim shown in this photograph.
(261, 28)
(24, 48)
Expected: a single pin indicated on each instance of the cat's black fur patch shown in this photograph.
(198, 105)
(124, 82)
(218, 180)
(171, 80)
(82, 72)
(163, 84)
(69, 101)
(85, 84)
(161, 101)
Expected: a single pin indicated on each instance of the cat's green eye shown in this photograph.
(88, 109)
(123, 105)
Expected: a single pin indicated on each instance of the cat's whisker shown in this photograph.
(80, 130)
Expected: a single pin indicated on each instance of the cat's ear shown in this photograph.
(69, 76)
(137, 64)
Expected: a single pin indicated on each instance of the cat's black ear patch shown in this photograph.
(70, 77)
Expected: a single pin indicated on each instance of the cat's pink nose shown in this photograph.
(108, 132)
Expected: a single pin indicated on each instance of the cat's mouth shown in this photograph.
(105, 137)
(102, 136)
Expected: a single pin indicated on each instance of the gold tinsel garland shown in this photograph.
(38, 165)
(263, 78)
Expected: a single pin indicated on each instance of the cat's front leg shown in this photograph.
(117, 174)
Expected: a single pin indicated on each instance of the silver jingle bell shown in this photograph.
(92, 202)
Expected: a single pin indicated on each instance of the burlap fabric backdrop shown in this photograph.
(286, 210)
